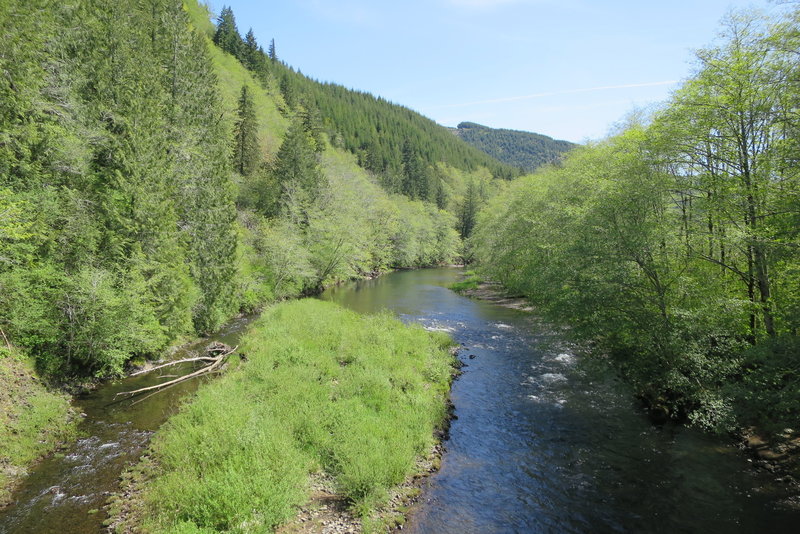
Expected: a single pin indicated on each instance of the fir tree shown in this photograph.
(312, 123)
(227, 35)
(288, 92)
(252, 52)
(273, 55)
(298, 172)
(246, 154)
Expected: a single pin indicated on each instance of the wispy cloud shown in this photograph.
(554, 93)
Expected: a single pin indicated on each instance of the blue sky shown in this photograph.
(566, 68)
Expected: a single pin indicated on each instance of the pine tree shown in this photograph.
(468, 210)
(246, 153)
(298, 172)
(252, 53)
(414, 184)
(288, 92)
(227, 35)
(312, 123)
(273, 55)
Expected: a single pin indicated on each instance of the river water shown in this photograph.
(65, 493)
(544, 443)
(540, 443)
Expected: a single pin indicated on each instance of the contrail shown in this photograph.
(555, 93)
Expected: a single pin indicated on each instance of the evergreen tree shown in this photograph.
(246, 152)
(298, 172)
(468, 210)
(273, 54)
(227, 35)
(252, 53)
(415, 177)
(312, 123)
(288, 92)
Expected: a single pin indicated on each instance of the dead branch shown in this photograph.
(216, 362)
(8, 343)
(176, 362)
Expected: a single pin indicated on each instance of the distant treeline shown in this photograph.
(524, 150)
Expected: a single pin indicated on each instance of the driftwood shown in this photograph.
(220, 352)
(8, 343)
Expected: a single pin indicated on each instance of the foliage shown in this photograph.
(153, 184)
(227, 34)
(246, 152)
(324, 389)
(674, 247)
(380, 133)
(115, 192)
(525, 150)
(470, 281)
(33, 419)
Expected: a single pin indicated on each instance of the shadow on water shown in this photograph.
(544, 444)
(65, 493)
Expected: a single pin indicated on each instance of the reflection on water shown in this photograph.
(541, 444)
(65, 493)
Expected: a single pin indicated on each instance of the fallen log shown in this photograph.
(175, 362)
(8, 343)
(215, 362)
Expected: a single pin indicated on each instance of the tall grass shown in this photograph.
(470, 281)
(324, 389)
(33, 419)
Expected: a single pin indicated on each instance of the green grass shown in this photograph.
(325, 389)
(33, 419)
(472, 281)
(232, 75)
(200, 17)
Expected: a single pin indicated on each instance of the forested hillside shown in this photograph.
(159, 174)
(524, 150)
(674, 247)
(400, 146)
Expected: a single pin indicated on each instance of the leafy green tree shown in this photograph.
(729, 124)
(289, 92)
(673, 248)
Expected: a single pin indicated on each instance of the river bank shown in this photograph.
(778, 455)
(34, 419)
(39, 419)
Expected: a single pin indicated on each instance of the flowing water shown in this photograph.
(543, 444)
(65, 493)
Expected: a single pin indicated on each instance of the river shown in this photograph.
(66, 492)
(542, 442)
